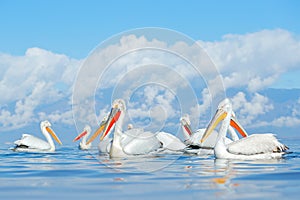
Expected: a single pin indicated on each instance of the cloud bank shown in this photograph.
(32, 82)
(39, 84)
(255, 60)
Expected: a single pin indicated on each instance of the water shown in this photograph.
(72, 173)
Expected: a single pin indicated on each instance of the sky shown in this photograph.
(43, 45)
(75, 28)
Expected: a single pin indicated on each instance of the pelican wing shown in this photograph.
(32, 142)
(143, 143)
(131, 134)
(256, 144)
(170, 142)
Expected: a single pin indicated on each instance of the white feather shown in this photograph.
(32, 142)
(255, 144)
(170, 141)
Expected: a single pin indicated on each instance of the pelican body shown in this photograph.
(255, 146)
(30, 143)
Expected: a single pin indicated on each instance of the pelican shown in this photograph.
(132, 142)
(192, 139)
(30, 143)
(84, 135)
(255, 146)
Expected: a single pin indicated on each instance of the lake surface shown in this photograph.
(74, 174)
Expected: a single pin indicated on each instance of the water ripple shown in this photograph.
(71, 173)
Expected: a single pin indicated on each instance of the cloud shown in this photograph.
(285, 121)
(40, 83)
(248, 111)
(292, 120)
(111, 62)
(29, 82)
(134, 61)
(153, 107)
(58, 116)
(255, 60)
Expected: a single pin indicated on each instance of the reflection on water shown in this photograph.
(137, 164)
(71, 173)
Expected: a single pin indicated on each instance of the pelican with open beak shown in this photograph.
(30, 143)
(131, 142)
(255, 146)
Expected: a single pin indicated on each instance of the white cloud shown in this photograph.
(24, 108)
(255, 60)
(29, 82)
(203, 107)
(248, 111)
(258, 83)
(58, 116)
(287, 121)
(283, 121)
(155, 103)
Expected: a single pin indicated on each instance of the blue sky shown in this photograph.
(254, 44)
(74, 28)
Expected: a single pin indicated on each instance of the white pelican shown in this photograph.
(192, 139)
(256, 146)
(30, 143)
(103, 146)
(84, 135)
(133, 141)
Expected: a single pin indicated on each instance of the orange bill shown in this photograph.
(113, 120)
(98, 131)
(80, 136)
(235, 124)
(53, 135)
(219, 116)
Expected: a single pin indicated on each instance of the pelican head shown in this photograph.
(129, 126)
(224, 109)
(119, 104)
(118, 107)
(185, 119)
(46, 125)
(105, 121)
(87, 128)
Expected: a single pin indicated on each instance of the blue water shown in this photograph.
(75, 174)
